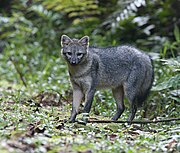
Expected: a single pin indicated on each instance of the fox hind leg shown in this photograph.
(133, 87)
(133, 109)
(118, 95)
(131, 96)
(131, 92)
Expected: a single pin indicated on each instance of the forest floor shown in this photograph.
(35, 124)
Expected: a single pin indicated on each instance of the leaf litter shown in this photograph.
(36, 125)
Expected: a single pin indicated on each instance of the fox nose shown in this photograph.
(73, 61)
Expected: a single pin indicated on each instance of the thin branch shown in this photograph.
(134, 122)
(18, 71)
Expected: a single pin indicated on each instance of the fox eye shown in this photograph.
(66, 44)
(69, 53)
(79, 54)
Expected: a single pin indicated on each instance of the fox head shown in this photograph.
(74, 51)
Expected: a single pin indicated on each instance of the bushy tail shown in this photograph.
(141, 98)
(147, 84)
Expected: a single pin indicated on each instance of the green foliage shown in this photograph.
(172, 48)
(167, 79)
(26, 126)
(76, 9)
(167, 87)
(35, 90)
(31, 51)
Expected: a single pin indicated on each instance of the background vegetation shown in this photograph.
(35, 92)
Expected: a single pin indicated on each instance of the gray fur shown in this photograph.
(124, 69)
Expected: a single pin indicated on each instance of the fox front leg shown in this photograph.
(77, 97)
(88, 100)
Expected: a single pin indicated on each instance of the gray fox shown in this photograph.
(124, 69)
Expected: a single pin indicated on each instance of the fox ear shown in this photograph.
(65, 40)
(84, 41)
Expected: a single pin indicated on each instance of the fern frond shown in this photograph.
(125, 9)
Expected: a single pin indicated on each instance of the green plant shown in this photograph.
(172, 48)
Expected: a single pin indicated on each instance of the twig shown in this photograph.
(18, 71)
(134, 122)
